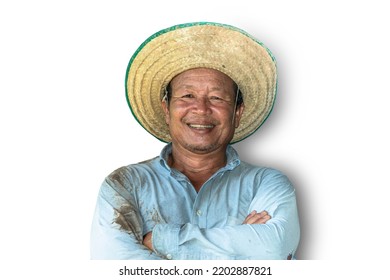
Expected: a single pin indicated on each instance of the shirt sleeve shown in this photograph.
(277, 239)
(116, 232)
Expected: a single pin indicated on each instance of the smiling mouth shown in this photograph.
(201, 126)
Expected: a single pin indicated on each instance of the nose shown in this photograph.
(203, 105)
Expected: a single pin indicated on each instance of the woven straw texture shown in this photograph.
(222, 47)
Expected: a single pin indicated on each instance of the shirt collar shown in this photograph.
(233, 159)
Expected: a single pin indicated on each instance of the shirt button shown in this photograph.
(199, 212)
(169, 256)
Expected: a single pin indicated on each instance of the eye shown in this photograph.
(187, 95)
(216, 98)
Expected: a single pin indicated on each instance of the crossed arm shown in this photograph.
(257, 237)
(252, 219)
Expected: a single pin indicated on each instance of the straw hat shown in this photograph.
(225, 48)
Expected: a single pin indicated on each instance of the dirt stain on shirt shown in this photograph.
(126, 219)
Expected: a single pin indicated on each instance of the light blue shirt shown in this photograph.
(151, 196)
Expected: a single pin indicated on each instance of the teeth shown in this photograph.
(201, 125)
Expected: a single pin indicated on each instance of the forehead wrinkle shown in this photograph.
(208, 88)
(202, 80)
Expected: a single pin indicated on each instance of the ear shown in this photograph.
(165, 108)
(239, 112)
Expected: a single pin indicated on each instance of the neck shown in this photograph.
(197, 167)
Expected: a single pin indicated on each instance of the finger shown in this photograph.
(263, 213)
(263, 219)
(259, 218)
(252, 219)
(251, 214)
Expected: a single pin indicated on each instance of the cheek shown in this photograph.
(227, 116)
(172, 117)
(176, 113)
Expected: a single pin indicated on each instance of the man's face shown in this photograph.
(202, 115)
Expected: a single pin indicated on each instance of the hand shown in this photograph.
(147, 242)
(255, 218)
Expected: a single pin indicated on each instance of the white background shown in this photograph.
(65, 123)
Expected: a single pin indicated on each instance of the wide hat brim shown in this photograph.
(222, 47)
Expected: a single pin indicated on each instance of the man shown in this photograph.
(200, 87)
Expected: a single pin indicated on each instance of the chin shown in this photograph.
(201, 148)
